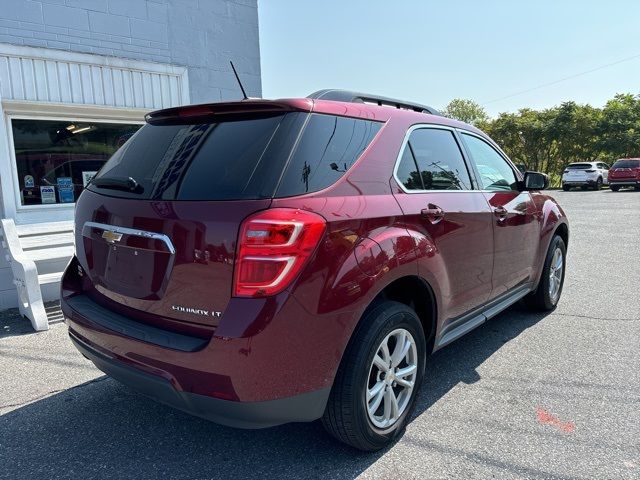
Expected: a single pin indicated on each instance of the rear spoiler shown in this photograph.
(208, 112)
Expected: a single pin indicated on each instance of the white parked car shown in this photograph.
(585, 174)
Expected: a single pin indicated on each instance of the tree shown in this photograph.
(547, 140)
(466, 111)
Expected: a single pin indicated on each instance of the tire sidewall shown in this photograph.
(400, 316)
(556, 242)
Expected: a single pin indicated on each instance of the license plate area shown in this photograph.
(130, 262)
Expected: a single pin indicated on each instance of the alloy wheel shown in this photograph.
(555, 274)
(392, 378)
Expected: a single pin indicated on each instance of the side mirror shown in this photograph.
(535, 181)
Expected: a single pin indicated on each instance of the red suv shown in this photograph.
(262, 262)
(625, 173)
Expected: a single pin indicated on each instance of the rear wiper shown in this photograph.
(128, 184)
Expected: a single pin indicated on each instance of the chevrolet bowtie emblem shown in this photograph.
(111, 237)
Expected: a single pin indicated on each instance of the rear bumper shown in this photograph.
(578, 183)
(300, 408)
(627, 182)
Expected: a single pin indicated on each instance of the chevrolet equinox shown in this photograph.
(261, 262)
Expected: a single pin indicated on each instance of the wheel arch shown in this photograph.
(415, 292)
(562, 230)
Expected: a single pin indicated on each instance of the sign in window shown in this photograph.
(56, 159)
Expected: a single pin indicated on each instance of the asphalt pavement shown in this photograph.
(523, 396)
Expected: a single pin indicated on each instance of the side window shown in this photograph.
(432, 161)
(495, 172)
(408, 172)
(329, 146)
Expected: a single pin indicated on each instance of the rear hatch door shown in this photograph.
(578, 172)
(625, 170)
(156, 229)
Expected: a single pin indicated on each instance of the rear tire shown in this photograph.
(598, 184)
(546, 296)
(360, 382)
(614, 188)
(566, 188)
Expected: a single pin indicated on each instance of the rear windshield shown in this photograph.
(627, 164)
(579, 166)
(238, 159)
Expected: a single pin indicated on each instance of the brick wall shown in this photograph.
(200, 34)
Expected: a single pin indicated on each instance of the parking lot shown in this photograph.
(523, 396)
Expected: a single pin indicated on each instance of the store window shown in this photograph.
(55, 159)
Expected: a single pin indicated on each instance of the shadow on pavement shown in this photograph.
(101, 429)
(12, 323)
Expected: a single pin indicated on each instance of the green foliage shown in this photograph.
(466, 111)
(547, 140)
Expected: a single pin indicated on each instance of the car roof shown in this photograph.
(356, 107)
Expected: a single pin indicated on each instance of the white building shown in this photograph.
(76, 82)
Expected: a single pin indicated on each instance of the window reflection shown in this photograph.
(56, 159)
(432, 161)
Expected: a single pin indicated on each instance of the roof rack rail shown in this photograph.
(355, 97)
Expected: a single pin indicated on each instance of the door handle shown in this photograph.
(500, 212)
(433, 213)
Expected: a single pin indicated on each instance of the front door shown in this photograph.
(454, 220)
(516, 225)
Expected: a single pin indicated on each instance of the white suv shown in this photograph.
(585, 174)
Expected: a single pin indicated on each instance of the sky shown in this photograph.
(433, 51)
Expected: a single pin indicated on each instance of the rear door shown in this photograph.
(516, 225)
(440, 203)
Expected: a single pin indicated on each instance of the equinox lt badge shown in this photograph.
(195, 311)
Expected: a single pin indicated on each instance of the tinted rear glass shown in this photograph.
(236, 160)
(328, 148)
(626, 164)
(579, 166)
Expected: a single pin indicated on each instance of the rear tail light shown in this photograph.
(566, 171)
(273, 247)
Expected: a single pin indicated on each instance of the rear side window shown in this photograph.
(432, 160)
(328, 148)
(627, 164)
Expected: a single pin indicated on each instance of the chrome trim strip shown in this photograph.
(132, 231)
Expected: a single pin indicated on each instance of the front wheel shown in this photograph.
(614, 188)
(545, 297)
(378, 379)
